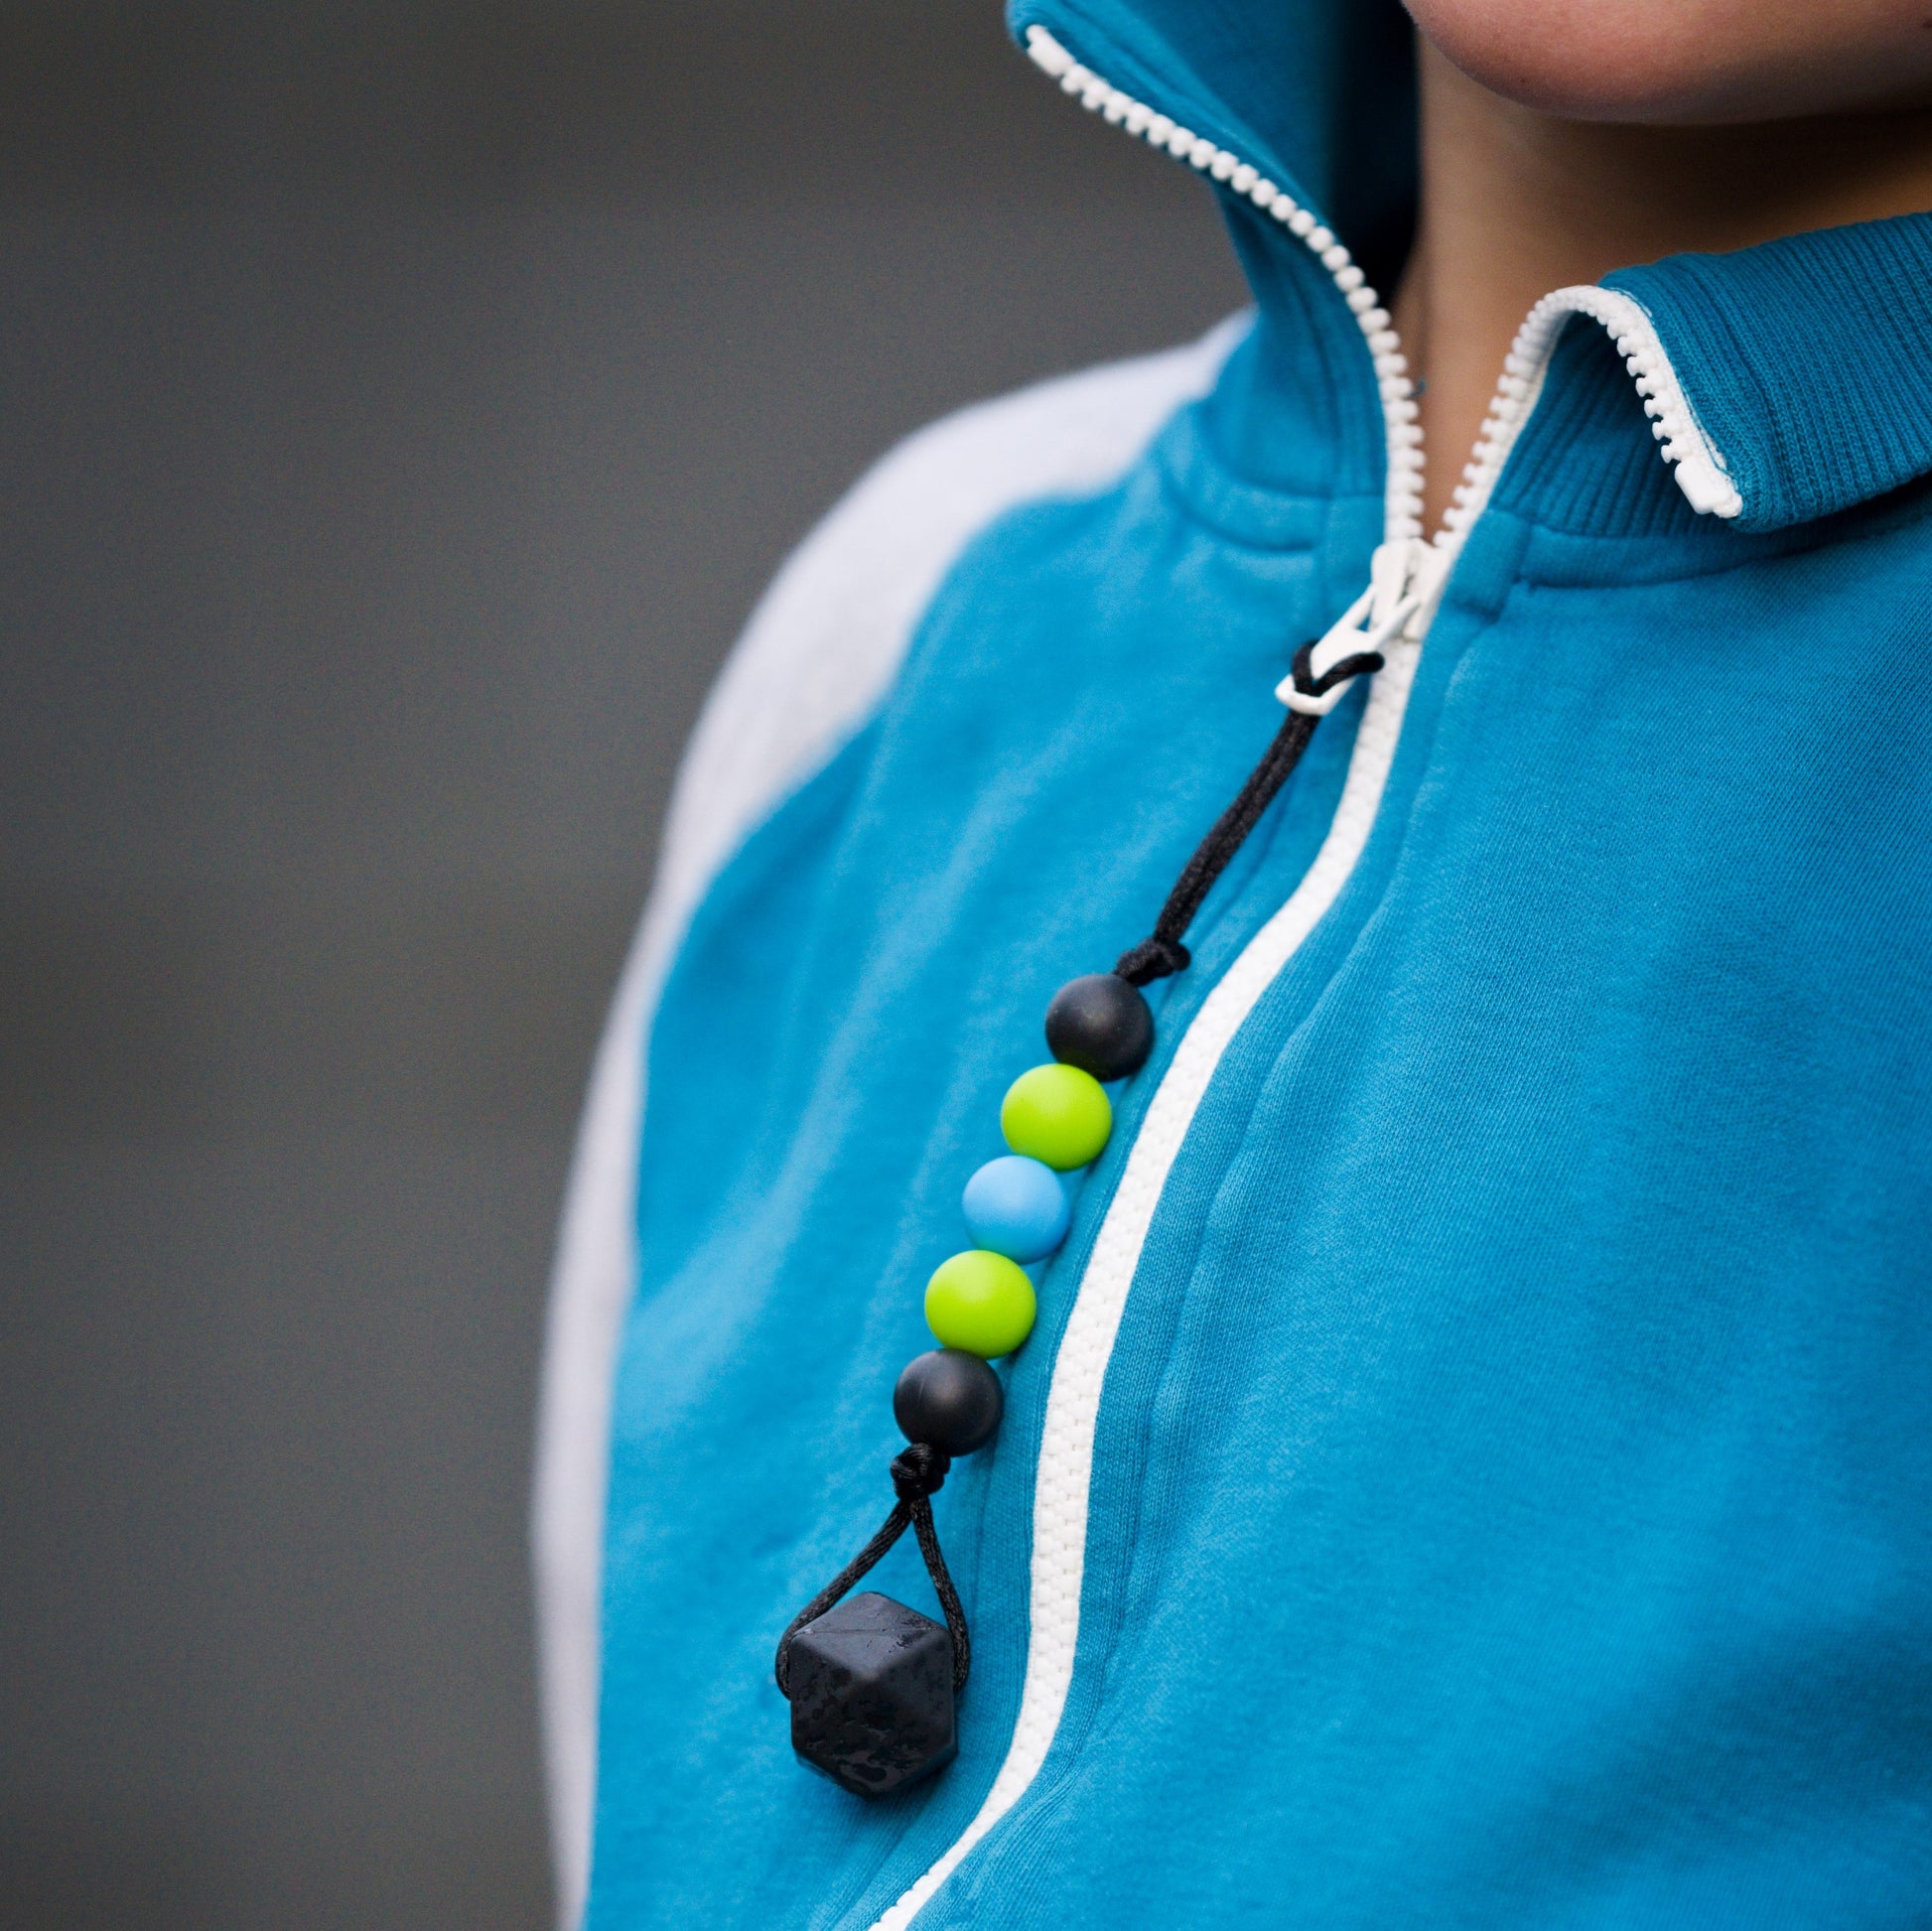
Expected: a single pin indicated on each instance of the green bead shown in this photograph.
(1057, 1114)
(980, 1301)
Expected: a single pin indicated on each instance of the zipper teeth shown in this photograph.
(1402, 501)
(1697, 465)
(1060, 1507)
(1509, 408)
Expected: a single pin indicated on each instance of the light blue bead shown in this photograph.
(1016, 1207)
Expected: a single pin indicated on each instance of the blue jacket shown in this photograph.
(1473, 1466)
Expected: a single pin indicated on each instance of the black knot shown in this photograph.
(919, 1471)
(1363, 664)
(917, 1475)
(1154, 958)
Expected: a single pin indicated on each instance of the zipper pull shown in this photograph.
(1404, 581)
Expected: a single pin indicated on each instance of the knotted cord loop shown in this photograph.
(1362, 664)
(918, 1472)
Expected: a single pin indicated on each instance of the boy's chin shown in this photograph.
(1689, 63)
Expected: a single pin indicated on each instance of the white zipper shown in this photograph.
(1405, 583)
(1391, 616)
(1696, 462)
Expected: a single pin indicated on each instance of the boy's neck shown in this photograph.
(1516, 202)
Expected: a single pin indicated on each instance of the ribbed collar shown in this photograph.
(1807, 363)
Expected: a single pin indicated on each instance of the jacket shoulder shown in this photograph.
(824, 643)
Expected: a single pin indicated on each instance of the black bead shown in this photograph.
(872, 1697)
(1100, 1023)
(950, 1399)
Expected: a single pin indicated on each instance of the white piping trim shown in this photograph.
(1698, 463)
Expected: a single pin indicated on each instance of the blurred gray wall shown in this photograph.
(400, 405)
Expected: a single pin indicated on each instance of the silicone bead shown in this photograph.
(1100, 1023)
(1057, 1114)
(1016, 1206)
(950, 1399)
(980, 1301)
(872, 1696)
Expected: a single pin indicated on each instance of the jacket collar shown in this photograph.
(1318, 94)
(1807, 363)
(1802, 363)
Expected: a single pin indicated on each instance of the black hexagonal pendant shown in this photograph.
(872, 1696)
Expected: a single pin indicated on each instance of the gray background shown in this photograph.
(400, 406)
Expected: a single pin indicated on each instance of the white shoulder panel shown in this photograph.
(815, 660)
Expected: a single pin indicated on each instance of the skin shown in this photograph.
(1565, 138)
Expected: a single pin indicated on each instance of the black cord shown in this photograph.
(918, 1474)
(921, 1469)
(1161, 954)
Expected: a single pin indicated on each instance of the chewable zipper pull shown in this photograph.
(1405, 578)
